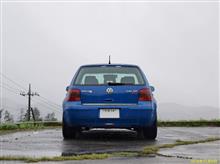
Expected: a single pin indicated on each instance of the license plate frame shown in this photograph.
(109, 113)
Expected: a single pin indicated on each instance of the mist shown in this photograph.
(175, 44)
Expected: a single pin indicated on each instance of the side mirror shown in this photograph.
(67, 88)
(152, 88)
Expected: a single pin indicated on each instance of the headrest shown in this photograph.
(128, 80)
(91, 80)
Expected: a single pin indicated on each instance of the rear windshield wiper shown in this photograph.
(111, 83)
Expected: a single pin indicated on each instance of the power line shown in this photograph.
(40, 106)
(50, 104)
(19, 90)
(23, 88)
(10, 90)
(49, 101)
(46, 105)
(15, 83)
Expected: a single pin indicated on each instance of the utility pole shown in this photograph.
(109, 59)
(30, 109)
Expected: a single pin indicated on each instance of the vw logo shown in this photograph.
(109, 90)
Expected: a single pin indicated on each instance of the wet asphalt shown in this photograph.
(50, 143)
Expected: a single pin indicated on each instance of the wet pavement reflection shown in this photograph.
(49, 142)
(99, 141)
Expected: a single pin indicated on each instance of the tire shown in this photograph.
(68, 132)
(150, 132)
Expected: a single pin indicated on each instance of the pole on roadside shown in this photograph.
(30, 109)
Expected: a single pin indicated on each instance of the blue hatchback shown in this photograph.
(109, 96)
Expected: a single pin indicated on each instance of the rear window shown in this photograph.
(104, 75)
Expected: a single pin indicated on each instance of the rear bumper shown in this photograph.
(132, 116)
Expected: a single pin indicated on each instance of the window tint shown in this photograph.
(109, 74)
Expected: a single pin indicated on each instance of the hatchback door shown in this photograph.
(110, 94)
(109, 84)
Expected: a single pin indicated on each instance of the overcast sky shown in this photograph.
(175, 44)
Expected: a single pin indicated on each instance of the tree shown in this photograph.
(8, 117)
(22, 115)
(1, 111)
(25, 118)
(50, 117)
(37, 114)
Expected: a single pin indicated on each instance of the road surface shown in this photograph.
(49, 142)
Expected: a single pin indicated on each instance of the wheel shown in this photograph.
(150, 132)
(68, 132)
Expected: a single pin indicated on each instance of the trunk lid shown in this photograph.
(110, 94)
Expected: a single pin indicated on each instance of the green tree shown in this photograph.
(8, 117)
(25, 118)
(22, 115)
(50, 117)
(37, 114)
(1, 111)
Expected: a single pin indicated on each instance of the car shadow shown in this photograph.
(109, 135)
(103, 141)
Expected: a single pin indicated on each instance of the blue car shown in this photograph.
(109, 96)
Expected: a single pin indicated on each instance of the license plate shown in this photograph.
(109, 113)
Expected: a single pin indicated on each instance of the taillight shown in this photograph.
(145, 95)
(73, 95)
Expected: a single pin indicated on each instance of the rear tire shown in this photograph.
(68, 132)
(150, 132)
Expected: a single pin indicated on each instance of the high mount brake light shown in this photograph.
(73, 95)
(145, 95)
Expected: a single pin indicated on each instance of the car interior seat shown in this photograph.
(91, 80)
(128, 80)
(109, 78)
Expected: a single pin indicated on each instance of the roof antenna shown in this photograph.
(109, 59)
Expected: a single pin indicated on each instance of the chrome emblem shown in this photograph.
(109, 90)
(86, 91)
(131, 91)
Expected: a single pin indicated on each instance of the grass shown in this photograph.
(190, 123)
(146, 151)
(25, 126)
(57, 158)
(125, 154)
(22, 126)
(155, 149)
(8, 126)
(28, 125)
(41, 125)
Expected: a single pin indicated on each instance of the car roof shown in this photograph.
(109, 65)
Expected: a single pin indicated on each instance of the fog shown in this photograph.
(174, 43)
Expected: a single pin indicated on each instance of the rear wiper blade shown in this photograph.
(111, 83)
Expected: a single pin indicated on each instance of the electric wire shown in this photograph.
(20, 86)
(12, 81)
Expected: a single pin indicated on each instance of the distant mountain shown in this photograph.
(166, 111)
(172, 111)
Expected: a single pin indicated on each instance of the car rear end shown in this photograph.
(109, 96)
